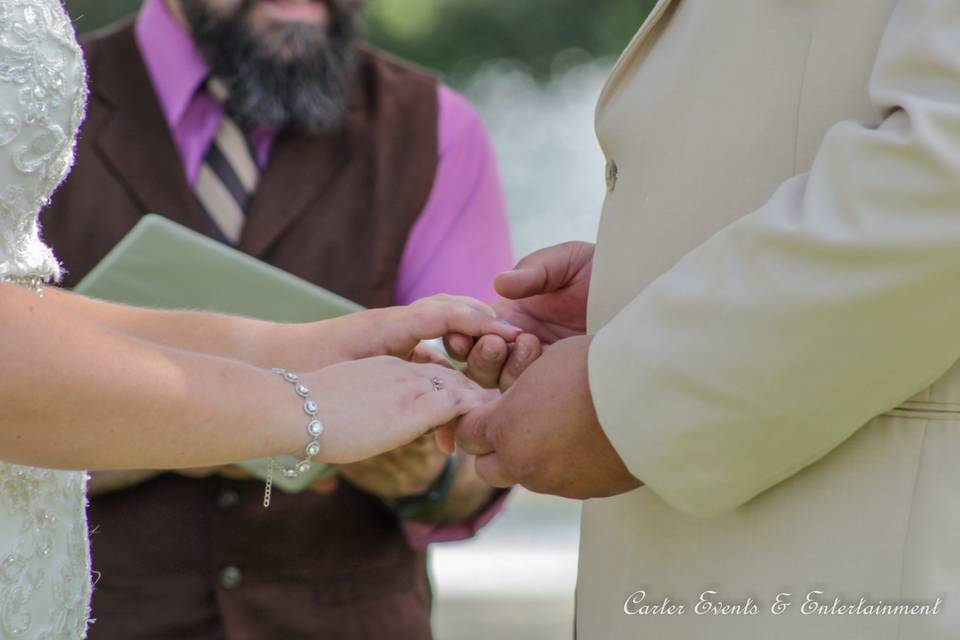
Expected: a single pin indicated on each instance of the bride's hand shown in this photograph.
(377, 404)
(393, 331)
(400, 329)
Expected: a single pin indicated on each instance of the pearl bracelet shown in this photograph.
(315, 429)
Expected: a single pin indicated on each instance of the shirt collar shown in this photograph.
(176, 66)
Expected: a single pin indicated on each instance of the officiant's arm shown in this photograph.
(777, 339)
(422, 484)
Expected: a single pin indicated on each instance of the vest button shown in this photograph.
(612, 173)
(231, 577)
(228, 499)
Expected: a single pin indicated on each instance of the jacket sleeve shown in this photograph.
(773, 342)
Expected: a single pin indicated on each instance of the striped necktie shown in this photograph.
(228, 176)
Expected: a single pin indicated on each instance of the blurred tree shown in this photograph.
(93, 14)
(457, 36)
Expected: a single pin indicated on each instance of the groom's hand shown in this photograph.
(546, 293)
(546, 296)
(544, 434)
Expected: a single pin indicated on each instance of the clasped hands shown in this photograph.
(543, 432)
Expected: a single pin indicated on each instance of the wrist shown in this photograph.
(470, 494)
(263, 344)
(301, 462)
(428, 505)
(280, 410)
(464, 495)
(301, 347)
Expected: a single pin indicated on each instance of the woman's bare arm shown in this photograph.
(203, 332)
(249, 340)
(75, 394)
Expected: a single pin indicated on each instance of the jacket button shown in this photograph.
(612, 173)
(231, 577)
(228, 499)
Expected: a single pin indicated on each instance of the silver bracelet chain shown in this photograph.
(315, 429)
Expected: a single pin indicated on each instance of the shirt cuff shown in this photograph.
(420, 535)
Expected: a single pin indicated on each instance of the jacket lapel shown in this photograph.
(653, 18)
(148, 163)
(299, 169)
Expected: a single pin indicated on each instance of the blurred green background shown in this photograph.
(456, 37)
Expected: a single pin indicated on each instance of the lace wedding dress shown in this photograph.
(44, 562)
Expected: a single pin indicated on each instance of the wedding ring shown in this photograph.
(439, 384)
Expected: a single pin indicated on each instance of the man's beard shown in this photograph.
(295, 76)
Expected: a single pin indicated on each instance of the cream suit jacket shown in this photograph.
(776, 310)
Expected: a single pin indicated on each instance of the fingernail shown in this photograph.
(488, 353)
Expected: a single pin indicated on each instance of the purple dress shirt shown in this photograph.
(460, 241)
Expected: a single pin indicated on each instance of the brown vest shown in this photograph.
(202, 559)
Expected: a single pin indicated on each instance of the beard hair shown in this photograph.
(292, 76)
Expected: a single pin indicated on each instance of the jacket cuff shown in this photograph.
(685, 472)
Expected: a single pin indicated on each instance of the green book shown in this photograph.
(164, 265)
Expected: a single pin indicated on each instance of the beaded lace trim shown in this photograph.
(44, 560)
(30, 282)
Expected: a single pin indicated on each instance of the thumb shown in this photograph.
(442, 407)
(544, 271)
(474, 432)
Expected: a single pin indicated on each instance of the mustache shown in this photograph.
(339, 9)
